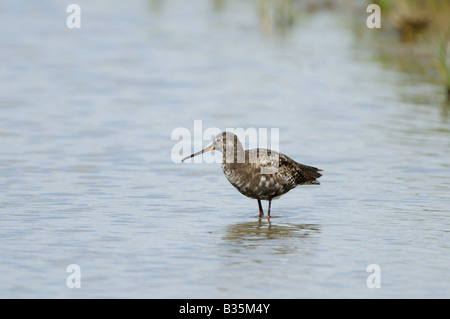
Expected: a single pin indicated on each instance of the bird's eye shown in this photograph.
(219, 139)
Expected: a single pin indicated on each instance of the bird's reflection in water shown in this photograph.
(283, 237)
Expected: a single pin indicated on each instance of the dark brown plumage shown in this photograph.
(259, 173)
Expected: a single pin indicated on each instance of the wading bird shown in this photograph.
(259, 173)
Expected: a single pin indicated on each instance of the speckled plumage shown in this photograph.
(259, 173)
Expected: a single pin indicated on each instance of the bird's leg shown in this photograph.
(268, 212)
(261, 212)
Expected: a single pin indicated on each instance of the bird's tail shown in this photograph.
(309, 174)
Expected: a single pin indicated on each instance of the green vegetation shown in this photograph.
(415, 34)
(424, 24)
(278, 14)
(443, 63)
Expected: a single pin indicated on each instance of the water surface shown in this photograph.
(87, 177)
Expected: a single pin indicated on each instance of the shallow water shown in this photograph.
(87, 177)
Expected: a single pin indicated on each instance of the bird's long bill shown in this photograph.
(207, 149)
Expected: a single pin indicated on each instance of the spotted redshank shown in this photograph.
(259, 173)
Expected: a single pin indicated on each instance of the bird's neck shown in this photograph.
(234, 154)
